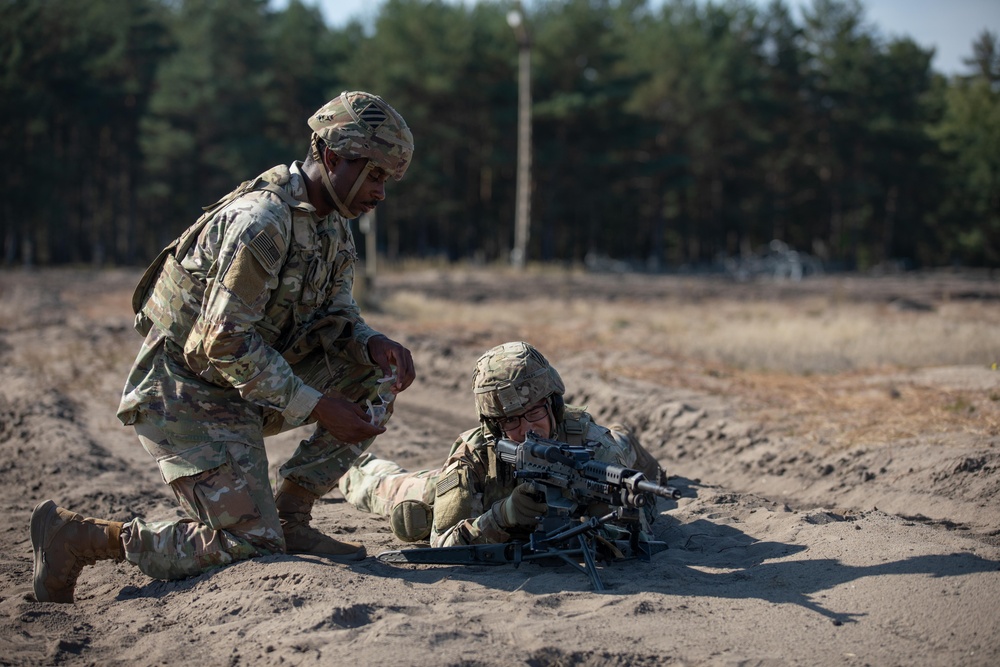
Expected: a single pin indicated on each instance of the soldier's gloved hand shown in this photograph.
(521, 508)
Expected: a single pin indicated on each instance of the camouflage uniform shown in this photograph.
(462, 491)
(244, 333)
(248, 322)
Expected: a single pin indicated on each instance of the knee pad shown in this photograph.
(411, 520)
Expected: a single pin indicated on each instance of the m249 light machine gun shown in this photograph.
(574, 484)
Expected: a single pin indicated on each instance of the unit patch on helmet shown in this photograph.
(372, 115)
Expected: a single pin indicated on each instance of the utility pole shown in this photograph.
(522, 212)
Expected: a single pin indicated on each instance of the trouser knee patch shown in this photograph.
(411, 520)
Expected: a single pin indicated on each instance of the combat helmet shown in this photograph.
(510, 378)
(359, 125)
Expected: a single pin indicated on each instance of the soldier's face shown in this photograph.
(344, 174)
(537, 418)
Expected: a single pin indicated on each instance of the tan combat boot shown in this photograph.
(295, 511)
(63, 543)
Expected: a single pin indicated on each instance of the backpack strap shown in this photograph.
(575, 422)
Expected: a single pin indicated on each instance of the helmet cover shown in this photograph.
(362, 125)
(512, 377)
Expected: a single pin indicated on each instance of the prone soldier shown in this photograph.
(474, 497)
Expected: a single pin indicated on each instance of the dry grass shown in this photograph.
(795, 338)
(818, 367)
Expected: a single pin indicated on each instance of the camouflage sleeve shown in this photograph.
(612, 446)
(251, 245)
(459, 515)
(355, 340)
(617, 445)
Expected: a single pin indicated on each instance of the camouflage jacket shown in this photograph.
(264, 282)
(473, 478)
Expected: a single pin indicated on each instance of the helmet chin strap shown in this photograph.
(358, 183)
(342, 206)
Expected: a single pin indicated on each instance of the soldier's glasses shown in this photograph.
(536, 413)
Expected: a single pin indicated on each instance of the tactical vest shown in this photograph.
(167, 295)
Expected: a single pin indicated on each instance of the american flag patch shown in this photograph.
(264, 248)
(448, 483)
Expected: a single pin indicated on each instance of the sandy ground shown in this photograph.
(832, 516)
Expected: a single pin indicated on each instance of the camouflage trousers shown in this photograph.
(221, 481)
(321, 460)
(376, 485)
(230, 516)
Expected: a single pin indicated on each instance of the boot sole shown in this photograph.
(39, 520)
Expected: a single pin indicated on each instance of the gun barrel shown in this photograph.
(662, 491)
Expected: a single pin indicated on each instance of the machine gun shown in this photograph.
(574, 484)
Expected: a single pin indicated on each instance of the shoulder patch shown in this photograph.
(246, 278)
(452, 504)
(268, 248)
(448, 483)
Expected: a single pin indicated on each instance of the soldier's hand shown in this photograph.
(521, 508)
(346, 421)
(388, 353)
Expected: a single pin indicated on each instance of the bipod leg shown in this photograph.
(572, 556)
(584, 532)
(591, 566)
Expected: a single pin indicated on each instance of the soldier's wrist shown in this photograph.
(496, 516)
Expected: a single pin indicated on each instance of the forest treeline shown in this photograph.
(665, 135)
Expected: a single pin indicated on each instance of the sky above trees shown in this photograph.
(950, 26)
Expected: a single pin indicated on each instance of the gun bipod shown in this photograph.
(571, 543)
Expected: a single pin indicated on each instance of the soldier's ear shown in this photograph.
(330, 159)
